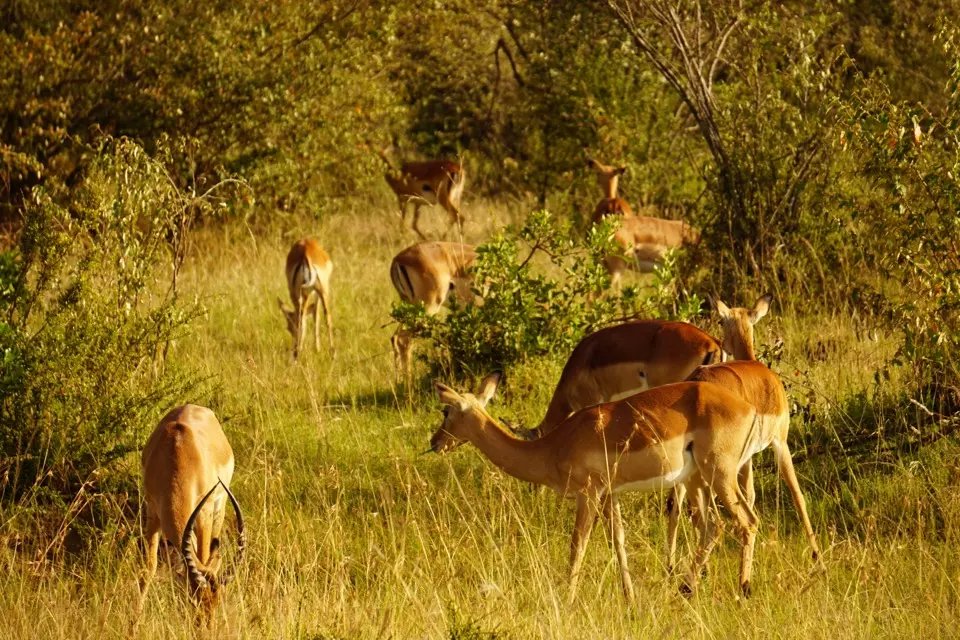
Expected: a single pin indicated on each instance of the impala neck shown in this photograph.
(522, 459)
(742, 346)
(611, 187)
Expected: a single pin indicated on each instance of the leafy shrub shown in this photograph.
(542, 291)
(88, 305)
(910, 216)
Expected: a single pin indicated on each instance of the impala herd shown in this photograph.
(644, 405)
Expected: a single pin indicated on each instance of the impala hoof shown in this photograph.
(686, 590)
(745, 589)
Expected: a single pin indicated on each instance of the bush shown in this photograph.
(544, 303)
(88, 306)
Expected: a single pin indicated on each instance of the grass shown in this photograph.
(354, 533)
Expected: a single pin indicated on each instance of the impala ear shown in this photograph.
(447, 395)
(760, 308)
(488, 386)
(722, 309)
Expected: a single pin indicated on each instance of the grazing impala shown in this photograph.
(308, 272)
(428, 182)
(187, 467)
(643, 241)
(754, 382)
(608, 177)
(619, 361)
(693, 434)
(426, 272)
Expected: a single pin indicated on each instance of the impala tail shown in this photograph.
(401, 281)
(304, 277)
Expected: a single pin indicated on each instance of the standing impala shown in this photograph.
(428, 182)
(187, 467)
(426, 272)
(608, 178)
(619, 361)
(643, 240)
(308, 272)
(693, 434)
(754, 382)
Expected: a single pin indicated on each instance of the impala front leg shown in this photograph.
(674, 509)
(612, 512)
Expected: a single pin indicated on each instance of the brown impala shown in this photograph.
(692, 434)
(308, 272)
(427, 272)
(187, 467)
(428, 182)
(643, 240)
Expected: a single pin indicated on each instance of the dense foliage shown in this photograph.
(815, 144)
(527, 307)
(88, 309)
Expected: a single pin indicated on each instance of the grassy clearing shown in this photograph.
(355, 534)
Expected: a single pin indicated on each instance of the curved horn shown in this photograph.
(241, 537)
(197, 579)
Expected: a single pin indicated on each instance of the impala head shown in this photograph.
(737, 325)
(206, 581)
(462, 414)
(608, 177)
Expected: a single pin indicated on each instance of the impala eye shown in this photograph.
(445, 411)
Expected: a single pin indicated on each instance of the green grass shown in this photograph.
(354, 533)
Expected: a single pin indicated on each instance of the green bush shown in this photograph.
(88, 306)
(542, 291)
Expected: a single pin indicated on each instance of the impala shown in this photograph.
(643, 241)
(427, 272)
(428, 182)
(753, 382)
(187, 467)
(608, 177)
(308, 272)
(619, 361)
(693, 434)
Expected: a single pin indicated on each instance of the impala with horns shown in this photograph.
(608, 178)
(308, 272)
(187, 467)
(428, 182)
(426, 273)
(755, 383)
(692, 433)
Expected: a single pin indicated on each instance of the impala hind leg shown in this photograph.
(745, 481)
(583, 525)
(301, 327)
(706, 521)
(324, 295)
(789, 475)
(151, 553)
(746, 520)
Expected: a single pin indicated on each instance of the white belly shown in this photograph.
(665, 481)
